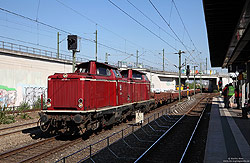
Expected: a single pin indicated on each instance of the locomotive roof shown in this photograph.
(135, 71)
(84, 64)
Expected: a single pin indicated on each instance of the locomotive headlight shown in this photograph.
(48, 102)
(65, 75)
(80, 100)
(80, 105)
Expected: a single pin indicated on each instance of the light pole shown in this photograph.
(194, 78)
(179, 53)
(95, 45)
(163, 59)
(200, 78)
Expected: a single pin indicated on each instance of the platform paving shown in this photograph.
(228, 135)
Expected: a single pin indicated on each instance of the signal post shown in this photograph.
(72, 45)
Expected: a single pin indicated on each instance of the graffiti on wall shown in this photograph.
(8, 96)
(32, 94)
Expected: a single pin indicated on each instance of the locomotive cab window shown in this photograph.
(145, 77)
(117, 73)
(83, 70)
(124, 74)
(137, 75)
(103, 71)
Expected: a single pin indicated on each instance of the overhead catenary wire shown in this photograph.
(23, 30)
(47, 25)
(151, 20)
(24, 25)
(98, 24)
(171, 29)
(184, 24)
(30, 43)
(25, 17)
(142, 25)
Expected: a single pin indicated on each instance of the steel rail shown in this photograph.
(14, 151)
(23, 111)
(138, 159)
(197, 124)
(13, 132)
(150, 148)
(2, 129)
(51, 151)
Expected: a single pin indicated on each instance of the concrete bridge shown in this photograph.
(165, 81)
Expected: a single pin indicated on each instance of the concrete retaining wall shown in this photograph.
(27, 74)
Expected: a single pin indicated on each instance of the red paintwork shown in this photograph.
(97, 91)
(138, 85)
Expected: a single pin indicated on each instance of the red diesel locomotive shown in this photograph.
(95, 95)
(98, 95)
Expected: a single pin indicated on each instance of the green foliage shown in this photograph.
(6, 119)
(23, 106)
(215, 91)
(191, 85)
(244, 75)
(37, 103)
(25, 116)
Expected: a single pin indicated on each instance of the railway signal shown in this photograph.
(72, 45)
(187, 74)
(179, 53)
(187, 71)
(72, 42)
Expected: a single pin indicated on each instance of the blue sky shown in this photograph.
(115, 29)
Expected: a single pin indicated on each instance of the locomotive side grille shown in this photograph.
(65, 93)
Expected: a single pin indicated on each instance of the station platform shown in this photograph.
(228, 137)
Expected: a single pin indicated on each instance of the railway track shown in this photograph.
(127, 146)
(39, 150)
(176, 142)
(36, 151)
(15, 129)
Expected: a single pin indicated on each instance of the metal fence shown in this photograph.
(38, 52)
(89, 151)
(92, 149)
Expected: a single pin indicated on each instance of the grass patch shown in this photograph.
(6, 119)
(24, 106)
(25, 116)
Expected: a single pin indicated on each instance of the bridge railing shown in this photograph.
(36, 51)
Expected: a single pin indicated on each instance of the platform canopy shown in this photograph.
(227, 23)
